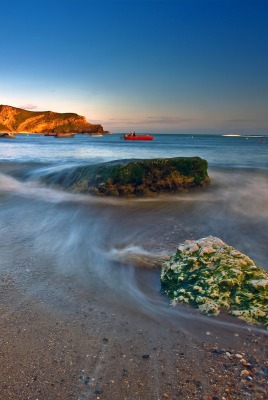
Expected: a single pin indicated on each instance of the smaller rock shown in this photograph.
(145, 356)
(211, 275)
(97, 390)
(244, 373)
(245, 363)
(238, 356)
(218, 351)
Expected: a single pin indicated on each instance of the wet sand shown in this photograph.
(76, 325)
(62, 338)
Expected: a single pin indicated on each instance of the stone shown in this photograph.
(239, 356)
(134, 178)
(211, 275)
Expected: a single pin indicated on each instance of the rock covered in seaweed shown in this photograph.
(210, 275)
(134, 177)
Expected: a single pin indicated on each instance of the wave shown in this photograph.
(122, 242)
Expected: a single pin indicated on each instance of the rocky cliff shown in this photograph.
(14, 119)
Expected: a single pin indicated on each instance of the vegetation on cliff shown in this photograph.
(211, 275)
(14, 119)
(135, 178)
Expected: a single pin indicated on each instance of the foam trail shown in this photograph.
(33, 190)
(145, 295)
(137, 256)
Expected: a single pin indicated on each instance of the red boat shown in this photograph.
(133, 136)
(49, 134)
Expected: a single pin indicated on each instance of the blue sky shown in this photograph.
(155, 66)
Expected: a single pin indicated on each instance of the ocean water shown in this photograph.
(219, 151)
(78, 235)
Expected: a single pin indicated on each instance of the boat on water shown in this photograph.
(50, 134)
(7, 135)
(134, 136)
(95, 134)
(232, 134)
(64, 135)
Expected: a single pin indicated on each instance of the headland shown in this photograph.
(18, 120)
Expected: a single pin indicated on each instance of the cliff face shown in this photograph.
(14, 119)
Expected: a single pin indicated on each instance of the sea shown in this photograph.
(103, 242)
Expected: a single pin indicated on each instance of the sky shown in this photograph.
(175, 66)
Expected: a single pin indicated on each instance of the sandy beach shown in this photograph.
(60, 340)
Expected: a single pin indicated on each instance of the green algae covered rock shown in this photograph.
(134, 177)
(210, 275)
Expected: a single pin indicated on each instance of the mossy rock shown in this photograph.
(134, 177)
(211, 275)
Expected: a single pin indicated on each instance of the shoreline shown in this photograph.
(62, 339)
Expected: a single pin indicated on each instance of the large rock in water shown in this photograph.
(211, 275)
(134, 178)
